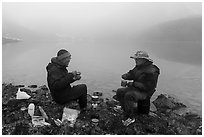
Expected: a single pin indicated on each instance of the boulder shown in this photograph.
(164, 101)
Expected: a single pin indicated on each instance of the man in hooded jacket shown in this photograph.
(138, 92)
(59, 80)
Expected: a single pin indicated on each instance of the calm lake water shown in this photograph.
(101, 66)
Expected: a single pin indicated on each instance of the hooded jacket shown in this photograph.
(144, 77)
(58, 78)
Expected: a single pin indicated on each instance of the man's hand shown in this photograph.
(123, 83)
(77, 77)
(76, 73)
(124, 76)
(130, 84)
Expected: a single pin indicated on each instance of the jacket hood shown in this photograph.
(55, 63)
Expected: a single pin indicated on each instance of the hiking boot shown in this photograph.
(128, 121)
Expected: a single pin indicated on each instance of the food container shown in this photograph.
(95, 98)
(95, 121)
(31, 109)
(97, 93)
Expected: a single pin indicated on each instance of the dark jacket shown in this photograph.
(58, 78)
(144, 77)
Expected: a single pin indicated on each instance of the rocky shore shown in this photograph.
(168, 116)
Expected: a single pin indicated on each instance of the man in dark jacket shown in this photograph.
(59, 80)
(138, 92)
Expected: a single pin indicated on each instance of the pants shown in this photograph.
(78, 92)
(128, 97)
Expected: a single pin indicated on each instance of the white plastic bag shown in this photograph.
(70, 115)
(22, 95)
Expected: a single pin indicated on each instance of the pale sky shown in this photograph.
(96, 16)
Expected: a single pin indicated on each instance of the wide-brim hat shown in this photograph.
(141, 54)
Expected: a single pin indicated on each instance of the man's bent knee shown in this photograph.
(83, 88)
(130, 96)
(121, 91)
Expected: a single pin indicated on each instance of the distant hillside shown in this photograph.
(9, 40)
(186, 29)
(14, 30)
(178, 40)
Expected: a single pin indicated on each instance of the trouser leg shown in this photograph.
(121, 94)
(144, 106)
(78, 92)
(81, 94)
(131, 102)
